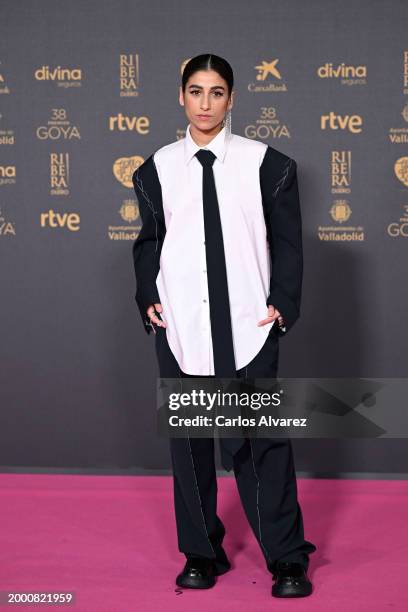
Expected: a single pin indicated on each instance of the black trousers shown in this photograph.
(264, 472)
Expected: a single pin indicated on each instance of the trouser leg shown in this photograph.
(266, 480)
(200, 531)
(268, 491)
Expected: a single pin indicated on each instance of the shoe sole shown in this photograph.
(292, 592)
(191, 583)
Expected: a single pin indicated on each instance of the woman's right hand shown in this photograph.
(152, 316)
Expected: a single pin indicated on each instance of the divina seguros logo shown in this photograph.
(63, 77)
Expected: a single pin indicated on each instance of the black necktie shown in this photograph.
(220, 312)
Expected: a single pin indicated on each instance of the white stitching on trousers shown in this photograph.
(257, 503)
(198, 493)
(195, 479)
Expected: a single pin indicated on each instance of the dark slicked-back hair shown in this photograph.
(208, 61)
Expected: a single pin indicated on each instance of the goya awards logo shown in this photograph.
(58, 127)
(345, 74)
(401, 170)
(8, 174)
(3, 85)
(59, 174)
(340, 175)
(399, 229)
(340, 210)
(349, 123)
(126, 123)
(62, 77)
(400, 135)
(129, 75)
(268, 125)
(6, 134)
(7, 227)
(268, 78)
(124, 167)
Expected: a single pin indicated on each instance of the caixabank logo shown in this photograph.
(268, 78)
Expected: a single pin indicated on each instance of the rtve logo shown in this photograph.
(123, 123)
(70, 221)
(352, 123)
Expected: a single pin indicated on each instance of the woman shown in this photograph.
(218, 265)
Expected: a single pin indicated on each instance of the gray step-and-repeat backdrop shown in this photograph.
(88, 89)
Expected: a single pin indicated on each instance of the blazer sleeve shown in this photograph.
(280, 195)
(147, 246)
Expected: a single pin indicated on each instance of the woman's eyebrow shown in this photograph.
(213, 87)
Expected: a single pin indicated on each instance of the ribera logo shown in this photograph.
(70, 221)
(347, 75)
(340, 172)
(124, 123)
(63, 77)
(129, 75)
(351, 123)
(405, 72)
(59, 174)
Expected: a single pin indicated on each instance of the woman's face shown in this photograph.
(206, 99)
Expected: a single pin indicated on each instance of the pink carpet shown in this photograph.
(112, 540)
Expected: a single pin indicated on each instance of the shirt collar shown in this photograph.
(218, 145)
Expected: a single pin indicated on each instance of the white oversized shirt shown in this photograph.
(182, 279)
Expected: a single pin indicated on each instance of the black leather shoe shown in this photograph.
(290, 580)
(198, 573)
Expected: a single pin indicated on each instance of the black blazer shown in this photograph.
(281, 206)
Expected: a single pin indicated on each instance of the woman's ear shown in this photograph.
(231, 101)
(181, 96)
